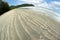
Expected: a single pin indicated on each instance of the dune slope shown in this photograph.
(25, 24)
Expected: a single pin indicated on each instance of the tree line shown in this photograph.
(4, 6)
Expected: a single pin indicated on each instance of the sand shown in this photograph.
(26, 24)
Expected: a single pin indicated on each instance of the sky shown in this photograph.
(51, 4)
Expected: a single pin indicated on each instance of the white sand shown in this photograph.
(25, 24)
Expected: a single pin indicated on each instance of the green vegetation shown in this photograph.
(4, 7)
(22, 5)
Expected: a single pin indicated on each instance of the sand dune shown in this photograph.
(26, 24)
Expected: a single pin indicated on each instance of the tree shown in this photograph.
(4, 7)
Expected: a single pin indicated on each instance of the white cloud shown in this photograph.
(56, 3)
(43, 3)
(36, 3)
(31, 1)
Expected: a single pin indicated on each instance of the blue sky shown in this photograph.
(14, 2)
(51, 4)
(51, 0)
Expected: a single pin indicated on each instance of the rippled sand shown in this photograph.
(25, 24)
